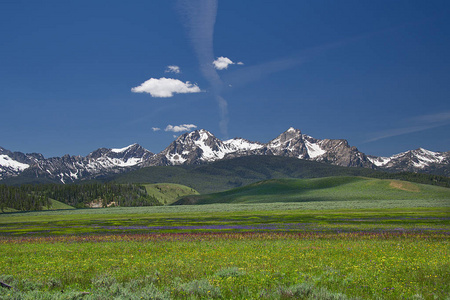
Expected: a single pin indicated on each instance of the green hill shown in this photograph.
(167, 193)
(59, 205)
(341, 188)
(231, 173)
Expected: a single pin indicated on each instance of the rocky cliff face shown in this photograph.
(201, 146)
(68, 168)
(419, 160)
(14, 163)
(198, 147)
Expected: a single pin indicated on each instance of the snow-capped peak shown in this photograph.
(284, 139)
(120, 150)
(419, 159)
(202, 146)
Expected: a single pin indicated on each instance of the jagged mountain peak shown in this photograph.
(196, 135)
(201, 146)
(292, 130)
(286, 136)
(192, 148)
(286, 142)
(127, 148)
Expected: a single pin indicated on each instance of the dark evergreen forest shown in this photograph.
(37, 197)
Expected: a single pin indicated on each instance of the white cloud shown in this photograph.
(240, 63)
(222, 63)
(180, 128)
(166, 87)
(173, 69)
(156, 128)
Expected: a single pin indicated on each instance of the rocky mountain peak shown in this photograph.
(201, 146)
(285, 138)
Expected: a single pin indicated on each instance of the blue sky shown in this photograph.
(79, 75)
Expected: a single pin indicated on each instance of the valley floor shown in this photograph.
(247, 252)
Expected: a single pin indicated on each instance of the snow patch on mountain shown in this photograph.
(120, 150)
(429, 156)
(418, 159)
(379, 161)
(108, 162)
(8, 162)
(208, 153)
(314, 149)
(176, 159)
(239, 144)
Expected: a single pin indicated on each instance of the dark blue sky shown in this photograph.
(376, 73)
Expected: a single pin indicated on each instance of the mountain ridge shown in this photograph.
(201, 146)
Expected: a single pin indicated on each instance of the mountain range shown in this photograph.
(201, 146)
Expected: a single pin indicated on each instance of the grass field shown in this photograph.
(332, 238)
(384, 250)
(229, 266)
(58, 205)
(322, 189)
(167, 193)
(298, 217)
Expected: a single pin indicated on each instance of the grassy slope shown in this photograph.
(231, 173)
(322, 189)
(59, 205)
(167, 193)
(56, 205)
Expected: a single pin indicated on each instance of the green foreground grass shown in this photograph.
(229, 266)
(381, 249)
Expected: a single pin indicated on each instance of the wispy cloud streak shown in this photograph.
(199, 18)
(254, 73)
(416, 124)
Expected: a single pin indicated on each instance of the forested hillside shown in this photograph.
(36, 197)
(22, 198)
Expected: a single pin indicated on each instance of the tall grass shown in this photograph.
(234, 266)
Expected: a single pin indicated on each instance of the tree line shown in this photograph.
(415, 177)
(22, 198)
(37, 197)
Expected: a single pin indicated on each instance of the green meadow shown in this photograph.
(228, 266)
(340, 188)
(167, 193)
(329, 238)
